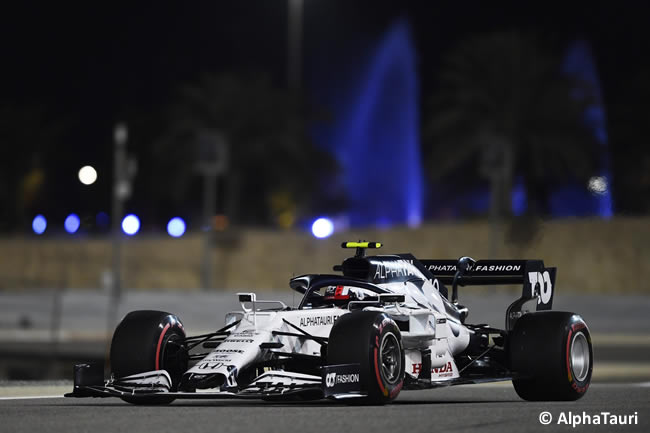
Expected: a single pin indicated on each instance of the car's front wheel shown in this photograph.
(146, 341)
(372, 340)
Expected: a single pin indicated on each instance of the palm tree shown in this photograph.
(272, 164)
(504, 110)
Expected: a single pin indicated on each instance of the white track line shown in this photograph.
(30, 397)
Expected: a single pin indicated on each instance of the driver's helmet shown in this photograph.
(344, 294)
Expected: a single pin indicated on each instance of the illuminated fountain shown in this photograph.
(579, 64)
(375, 136)
(575, 199)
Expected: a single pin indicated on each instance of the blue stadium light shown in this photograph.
(39, 224)
(130, 224)
(176, 227)
(72, 223)
(322, 228)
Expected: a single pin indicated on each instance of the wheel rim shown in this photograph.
(391, 358)
(580, 356)
(171, 358)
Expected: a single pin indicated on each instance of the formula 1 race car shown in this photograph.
(387, 324)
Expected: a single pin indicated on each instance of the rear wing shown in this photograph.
(537, 280)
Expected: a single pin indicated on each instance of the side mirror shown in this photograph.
(246, 297)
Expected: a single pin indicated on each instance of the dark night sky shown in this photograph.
(92, 64)
(103, 62)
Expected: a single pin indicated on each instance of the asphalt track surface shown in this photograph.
(484, 408)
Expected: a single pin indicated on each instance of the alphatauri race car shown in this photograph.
(384, 324)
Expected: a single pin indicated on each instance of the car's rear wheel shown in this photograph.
(146, 341)
(551, 355)
(372, 340)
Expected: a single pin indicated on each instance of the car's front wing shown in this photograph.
(157, 384)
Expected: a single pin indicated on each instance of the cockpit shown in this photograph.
(324, 291)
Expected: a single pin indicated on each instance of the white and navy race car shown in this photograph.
(385, 324)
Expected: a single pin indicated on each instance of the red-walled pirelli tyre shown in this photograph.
(551, 356)
(373, 340)
(147, 341)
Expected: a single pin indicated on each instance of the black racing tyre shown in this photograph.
(551, 355)
(146, 341)
(373, 340)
